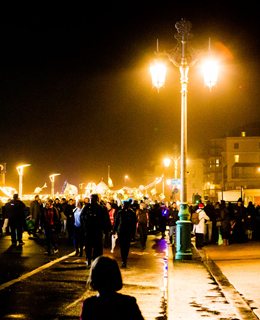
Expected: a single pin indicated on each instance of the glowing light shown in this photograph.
(20, 173)
(210, 70)
(8, 191)
(166, 162)
(52, 176)
(158, 73)
(52, 179)
(21, 167)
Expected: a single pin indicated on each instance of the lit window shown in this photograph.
(236, 157)
(217, 162)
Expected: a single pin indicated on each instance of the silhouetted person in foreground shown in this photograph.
(105, 277)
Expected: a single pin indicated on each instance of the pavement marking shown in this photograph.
(31, 273)
(142, 253)
(79, 300)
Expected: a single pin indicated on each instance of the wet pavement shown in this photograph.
(56, 288)
(200, 289)
(236, 268)
(218, 283)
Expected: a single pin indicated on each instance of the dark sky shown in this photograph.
(76, 95)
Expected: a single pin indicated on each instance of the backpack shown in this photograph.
(195, 218)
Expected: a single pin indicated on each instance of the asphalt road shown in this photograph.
(35, 286)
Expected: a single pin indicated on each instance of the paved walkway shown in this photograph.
(202, 288)
(197, 289)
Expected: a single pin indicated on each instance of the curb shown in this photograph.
(233, 297)
(170, 297)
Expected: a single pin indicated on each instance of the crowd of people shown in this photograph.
(90, 224)
(225, 223)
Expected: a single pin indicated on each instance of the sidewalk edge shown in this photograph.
(233, 297)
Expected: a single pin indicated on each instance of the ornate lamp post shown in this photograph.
(52, 179)
(183, 58)
(20, 173)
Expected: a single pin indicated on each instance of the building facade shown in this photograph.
(233, 163)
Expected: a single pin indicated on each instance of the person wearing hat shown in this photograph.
(199, 229)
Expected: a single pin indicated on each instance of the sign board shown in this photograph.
(176, 182)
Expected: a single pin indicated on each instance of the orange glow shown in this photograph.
(158, 73)
(210, 70)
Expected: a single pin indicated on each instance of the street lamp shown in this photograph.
(20, 173)
(166, 163)
(52, 179)
(173, 182)
(182, 58)
(126, 177)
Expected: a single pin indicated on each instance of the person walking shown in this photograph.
(78, 233)
(225, 227)
(125, 227)
(172, 218)
(50, 221)
(105, 277)
(210, 224)
(240, 218)
(199, 229)
(69, 213)
(15, 210)
(163, 219)
(250, 220)
(62, 208)
(142, 224)
(109, 233)
(95, 222)
(35, 214)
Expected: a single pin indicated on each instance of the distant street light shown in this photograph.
(126, 177)
(52, 179)
(167, 162)
(20, 173)
(183, 58)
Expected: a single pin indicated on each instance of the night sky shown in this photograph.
(76, 95)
